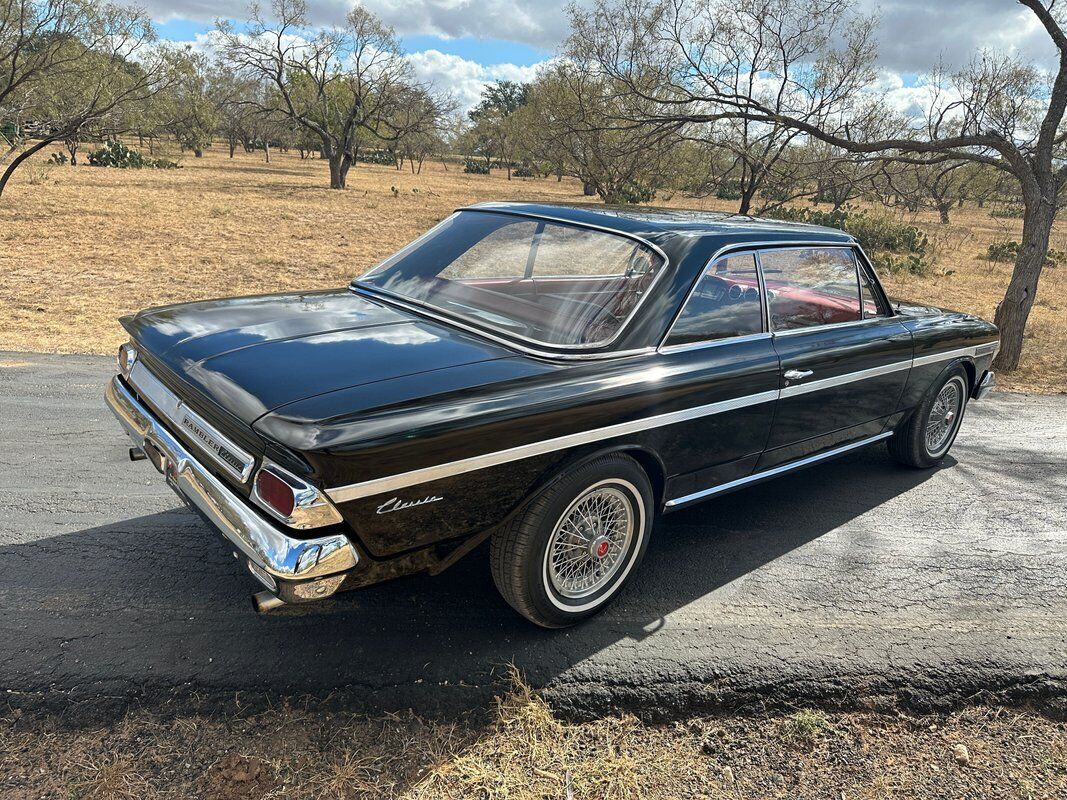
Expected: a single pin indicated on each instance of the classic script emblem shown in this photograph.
(209, 441)
(396, 504)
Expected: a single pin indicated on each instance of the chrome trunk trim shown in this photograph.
(221, 450)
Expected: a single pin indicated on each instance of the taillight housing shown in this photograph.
(275, 492)
(294, 501)
(127, 357)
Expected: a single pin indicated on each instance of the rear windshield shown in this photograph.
(548, 282)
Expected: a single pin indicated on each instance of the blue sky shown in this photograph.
(482, 51)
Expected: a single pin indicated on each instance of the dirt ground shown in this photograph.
(82, 246)
(525, 753)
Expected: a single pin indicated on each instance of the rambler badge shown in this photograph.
(396, 504)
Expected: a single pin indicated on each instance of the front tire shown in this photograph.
(565, 555)
(925, 438)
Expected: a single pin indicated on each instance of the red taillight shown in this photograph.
(275, 492)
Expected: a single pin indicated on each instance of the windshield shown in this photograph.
(548, 282)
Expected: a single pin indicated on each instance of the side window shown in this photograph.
(868, 296)
(810, 286)
(725, 303)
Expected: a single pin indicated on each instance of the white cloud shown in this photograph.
(538, 23)
(463, 78)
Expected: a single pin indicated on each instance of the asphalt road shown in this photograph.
(854, 582)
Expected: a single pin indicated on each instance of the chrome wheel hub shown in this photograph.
(589, 541)
(941, 422)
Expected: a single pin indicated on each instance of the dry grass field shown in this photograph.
(81, 246)
(525, 753)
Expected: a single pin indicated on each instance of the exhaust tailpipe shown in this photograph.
(266, 601)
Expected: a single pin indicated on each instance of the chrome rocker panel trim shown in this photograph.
(263, 544)
(770, 473)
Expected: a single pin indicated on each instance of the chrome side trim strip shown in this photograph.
(946, 356)
(263, 544)
(204, 435)
(840, 380)
(792, 465)
(343, 494)
(355, 491)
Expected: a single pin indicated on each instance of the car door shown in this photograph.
(844, 358)
(722, 360)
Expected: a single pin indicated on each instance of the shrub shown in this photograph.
(472, 167)
(523, 171)
(58, 158)
(1013, 211)
(894, 246)
(874, 232)
(729, 190)
(1008, 250)
(912, 263)
(877, 232)
(631, 193)
(382, 157)
(116, 154)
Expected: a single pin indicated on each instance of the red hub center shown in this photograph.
(602, 549)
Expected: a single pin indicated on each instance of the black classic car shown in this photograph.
(546, 377)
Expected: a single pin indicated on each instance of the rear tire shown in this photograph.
(566, 554)
(925, 438)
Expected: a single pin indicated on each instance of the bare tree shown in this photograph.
(335, 82)
(74, 66)
(998, 111)
(571, 115)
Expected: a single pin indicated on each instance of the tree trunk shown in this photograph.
(21, 157)
(1038, 215)
(588, 189)
(746, 201)
(233, 145)
(942, 209)
(198, 152)
(266, 150)
(337, 177)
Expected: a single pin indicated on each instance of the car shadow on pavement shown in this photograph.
(157, 602)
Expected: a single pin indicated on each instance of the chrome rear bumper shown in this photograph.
(264, 545)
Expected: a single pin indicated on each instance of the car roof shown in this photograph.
(656, 223)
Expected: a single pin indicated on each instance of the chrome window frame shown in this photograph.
(505, 336)
(764, 319)
(851, 247)
(756, 248)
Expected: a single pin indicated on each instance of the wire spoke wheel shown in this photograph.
(588, 544)
(944, 417)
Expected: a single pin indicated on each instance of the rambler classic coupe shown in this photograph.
(546, 377)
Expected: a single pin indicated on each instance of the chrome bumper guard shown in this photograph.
(264, 545)
(985, 385)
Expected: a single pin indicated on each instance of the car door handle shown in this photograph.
(797, 374)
